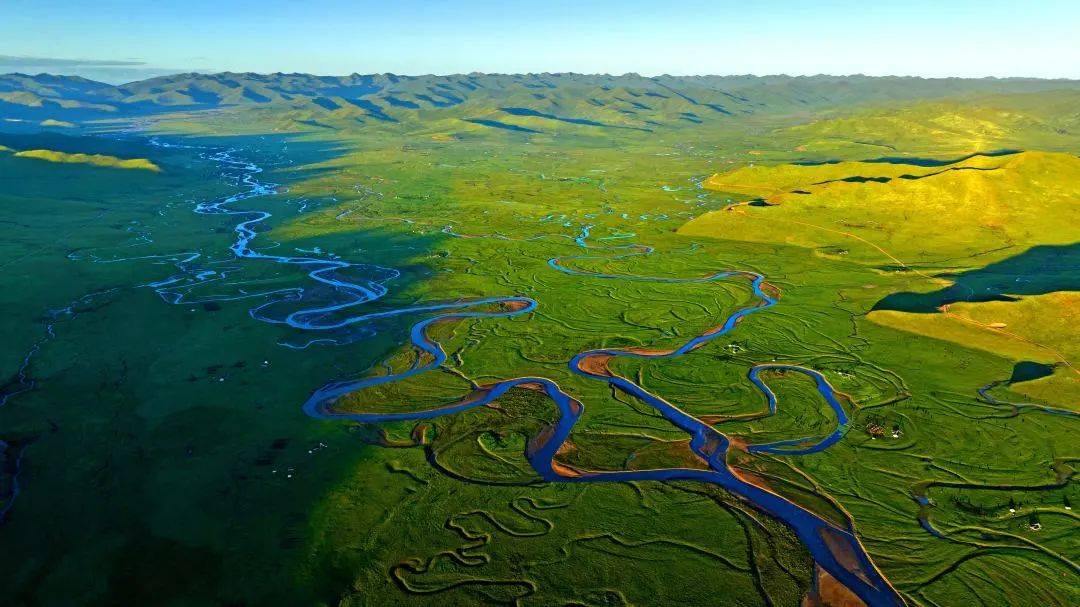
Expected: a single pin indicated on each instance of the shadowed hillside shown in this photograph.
(1037, 271)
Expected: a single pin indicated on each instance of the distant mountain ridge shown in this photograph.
(625, 101)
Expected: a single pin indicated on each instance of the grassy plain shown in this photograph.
(165, 459)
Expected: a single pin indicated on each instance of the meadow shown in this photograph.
(155, 451)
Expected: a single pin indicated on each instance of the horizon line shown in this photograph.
(546, 73)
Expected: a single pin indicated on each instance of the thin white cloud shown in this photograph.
(22, 61)
(112, 71)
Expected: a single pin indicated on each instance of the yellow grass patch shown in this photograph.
(884, 212)
(99, 160)
(1061, 389)
(951, 329)
(1038, 328)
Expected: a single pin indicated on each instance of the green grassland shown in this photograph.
(163, 458)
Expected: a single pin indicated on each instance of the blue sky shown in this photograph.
(121, 40)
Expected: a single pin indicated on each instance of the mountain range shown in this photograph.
(501, 101)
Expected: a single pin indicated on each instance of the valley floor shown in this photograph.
(392, 366)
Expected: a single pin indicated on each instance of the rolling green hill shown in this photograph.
(1048, 120)
(901, 212)
(511, 102)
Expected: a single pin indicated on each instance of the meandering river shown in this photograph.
(836, 549)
